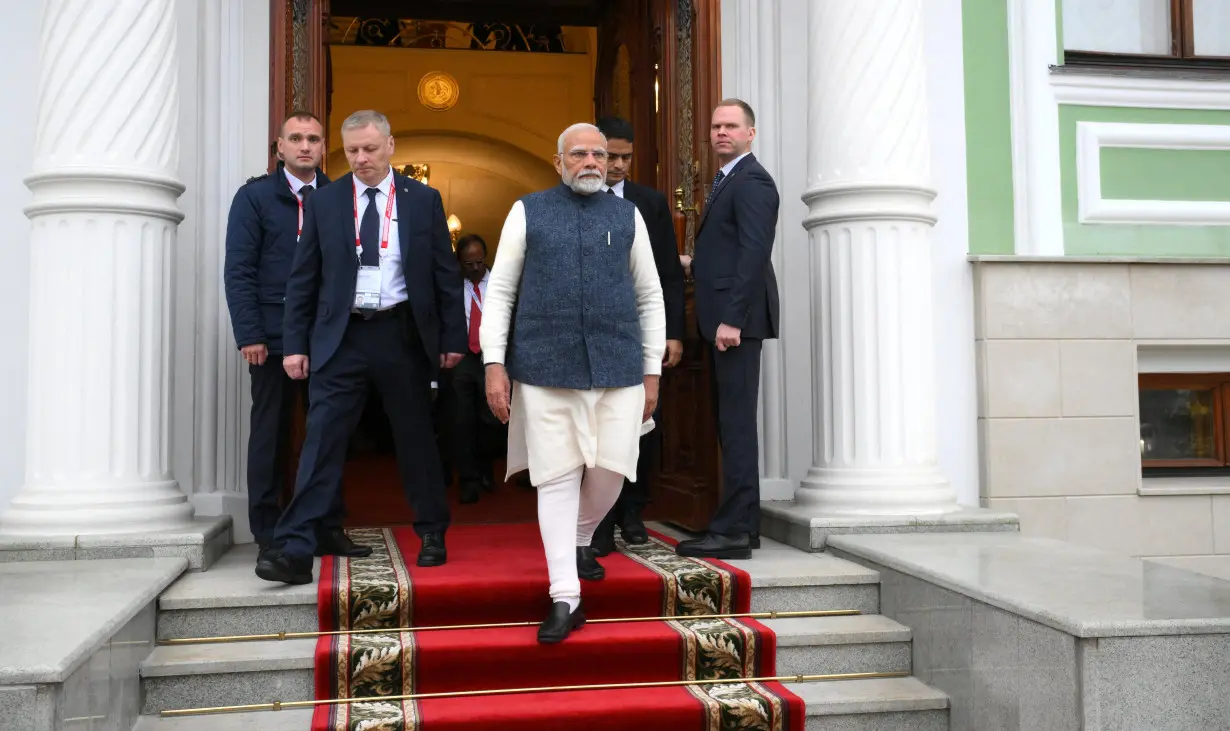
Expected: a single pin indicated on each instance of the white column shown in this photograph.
(103, 222)
(869, 197)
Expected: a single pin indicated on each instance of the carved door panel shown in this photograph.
(299, 63)
(658, 67)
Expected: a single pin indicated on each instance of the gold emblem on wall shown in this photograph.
(438, 91)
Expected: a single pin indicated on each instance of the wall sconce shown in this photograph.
(454, 228)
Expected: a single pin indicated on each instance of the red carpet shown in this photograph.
(497, 573)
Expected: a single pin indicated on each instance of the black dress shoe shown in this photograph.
(633, 529)
(469, 492)
(488, 485)
(588, 567)
(275, 565)
(560, 623)
(716, 545)
(433, 552)
(754, 540)
(262, 551)
(603, 541)
(335, 542)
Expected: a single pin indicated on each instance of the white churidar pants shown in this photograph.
(569, 510)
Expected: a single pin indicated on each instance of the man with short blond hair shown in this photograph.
(585, 352)
(265, 220)
(376, 291)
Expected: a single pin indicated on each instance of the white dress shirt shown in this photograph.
(296, 185)
(618, 188)
(392, 278)
(482, 295)
(731, 165)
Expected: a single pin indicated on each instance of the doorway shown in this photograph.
(476, 94)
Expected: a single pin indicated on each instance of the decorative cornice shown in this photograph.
(1135, 91)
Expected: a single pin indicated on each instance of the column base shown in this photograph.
(808, 527)
(872, 492)
(93, 509)
(201, 541)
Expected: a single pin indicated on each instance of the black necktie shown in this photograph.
(717, 180)
(369, 232)
(305, 191)
(611, 191)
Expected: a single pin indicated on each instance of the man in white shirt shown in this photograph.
(474, 427)
(374, 298)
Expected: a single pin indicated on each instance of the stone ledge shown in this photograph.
(58, 613)
(1108, 259)
(1083, 592)
(201, 543)
(808, 528)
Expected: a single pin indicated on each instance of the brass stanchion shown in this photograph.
(284, 705)
(500, 625)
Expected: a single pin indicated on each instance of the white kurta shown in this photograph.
(552, 431)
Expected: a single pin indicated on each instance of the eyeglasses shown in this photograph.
(577, 155)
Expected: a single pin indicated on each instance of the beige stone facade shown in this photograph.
(1060, 344)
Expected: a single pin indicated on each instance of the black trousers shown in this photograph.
(383, 352)
(735, 378)
(474, 430)
(273, 403)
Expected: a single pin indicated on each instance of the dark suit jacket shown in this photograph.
(732, 266)
(657, 214)
(320, 293)
(260, 246)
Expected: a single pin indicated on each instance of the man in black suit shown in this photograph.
(262, 229)
(376, 286)
(627, 511)
(736, 309)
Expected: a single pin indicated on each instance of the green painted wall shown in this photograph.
(1105, 239)
(988, 127)
(1165, 175)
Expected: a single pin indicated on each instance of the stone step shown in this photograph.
(880, 704)
(195, 676)
(229, 599)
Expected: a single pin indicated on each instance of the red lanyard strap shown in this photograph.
(388, 221)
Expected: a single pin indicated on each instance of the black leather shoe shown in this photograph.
(277, 566)
(469, 492)
(560, 623)
(433, 552)
(262, 551)
(588, 567)
(603, 541)
(488, 485)
(335, 542)
(633, 529)
(754, 540)
(716, 545)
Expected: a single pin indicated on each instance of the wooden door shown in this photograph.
(299, 63)
(680, 54)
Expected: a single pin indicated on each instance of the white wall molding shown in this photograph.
(1038, 204)
(1134, 91)
(1091, 137)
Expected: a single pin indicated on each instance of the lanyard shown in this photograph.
(388, 223)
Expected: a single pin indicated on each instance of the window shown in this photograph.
(1183, 421)
(1182, 33)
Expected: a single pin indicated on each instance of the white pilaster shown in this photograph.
(103, 219)
(870, 219)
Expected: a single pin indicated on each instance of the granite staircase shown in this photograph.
(228, 599)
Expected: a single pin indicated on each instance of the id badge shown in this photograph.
(367, 289)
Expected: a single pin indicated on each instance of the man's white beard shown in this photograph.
(583, 183)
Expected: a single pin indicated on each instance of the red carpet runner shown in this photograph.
(497, 573)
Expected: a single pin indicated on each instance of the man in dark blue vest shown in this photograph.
(585, 354)
(264, 224)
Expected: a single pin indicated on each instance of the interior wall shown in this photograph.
(494, 146)
(19, 40)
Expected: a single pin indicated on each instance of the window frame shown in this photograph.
(1182, 48)
(1219, 383)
